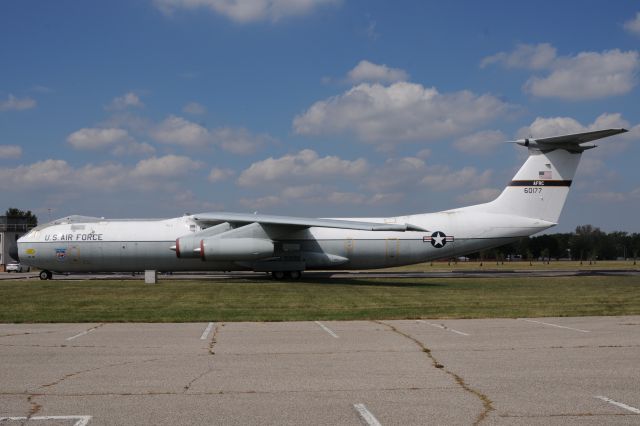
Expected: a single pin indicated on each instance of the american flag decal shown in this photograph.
(546, 174)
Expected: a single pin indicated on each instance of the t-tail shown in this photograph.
(540, 188)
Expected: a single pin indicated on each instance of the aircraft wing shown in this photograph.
(301, 223)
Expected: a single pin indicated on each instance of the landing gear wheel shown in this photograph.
(295, 275)
(278, 275)
(45, 275)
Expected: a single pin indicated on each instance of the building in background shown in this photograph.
(11, 228)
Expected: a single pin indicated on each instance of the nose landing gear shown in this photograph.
(45, 275)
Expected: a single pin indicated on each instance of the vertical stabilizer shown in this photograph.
(540, 188)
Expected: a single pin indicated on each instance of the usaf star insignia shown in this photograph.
(438, 239)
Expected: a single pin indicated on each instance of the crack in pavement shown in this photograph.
(9, 345)
(34, 406)
(539, 416)
(211, 352)
(487, 404)
(26, 333)
(213, 338)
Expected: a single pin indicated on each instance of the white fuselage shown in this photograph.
(137, 245)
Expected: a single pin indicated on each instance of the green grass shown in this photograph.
(329, 299)
(519, 265)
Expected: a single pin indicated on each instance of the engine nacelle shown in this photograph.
(188, 246)
(235, 248)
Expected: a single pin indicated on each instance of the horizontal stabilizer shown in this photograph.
(299, 222)
(571, 143)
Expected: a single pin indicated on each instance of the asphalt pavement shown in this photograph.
(539, 371)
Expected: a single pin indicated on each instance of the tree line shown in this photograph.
(586, 243)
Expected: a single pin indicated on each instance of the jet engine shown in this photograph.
(189, 245)
(235, 248)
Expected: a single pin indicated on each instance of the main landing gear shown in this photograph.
(45, 275)
(285, 275)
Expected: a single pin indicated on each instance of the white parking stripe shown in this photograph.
(443, 328)
(206, 331)
(327, 329)
(82, 334)
(555, 325)
(81, 420)
(366, 415)
(619, 404)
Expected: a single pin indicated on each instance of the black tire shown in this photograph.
(278, 275)
(295, 275)
(45, 275)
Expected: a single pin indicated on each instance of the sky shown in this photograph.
(325, 108)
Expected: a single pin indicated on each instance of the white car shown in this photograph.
(16, 267)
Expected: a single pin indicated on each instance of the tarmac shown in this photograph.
(527, 371)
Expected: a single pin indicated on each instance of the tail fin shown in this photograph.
(540, 188)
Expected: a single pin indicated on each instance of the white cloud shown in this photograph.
(178, 131)
(553, 126)
(481, 195)
(396, 174)
(535, 57)
(633, 25)
(614, 197)
(244, 11)
(167, 166)
(587, 75)
(442, 178)
(10, 151)
(128, 100)
(66, 182)
(320, 194)
(238, 140)
(17, 104)
(370, 72)
(482, 142)
(305, 164)
(424, 153)
(218, 174)
(194, 108)
(261, 202)
(400, 112)
(134, 148)
(45, 174)
(96, 138)
(371, 32)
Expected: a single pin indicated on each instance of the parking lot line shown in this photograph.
(555, 325)
(82, 334)
(80, 420)
(327, 329)
(619, 404)
(206, 331)
(366, 415)
(442, 327)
